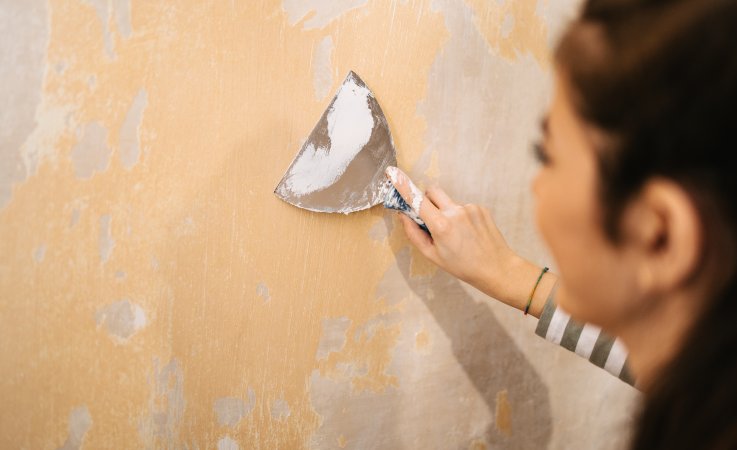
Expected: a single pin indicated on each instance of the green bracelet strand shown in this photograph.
(532, 294)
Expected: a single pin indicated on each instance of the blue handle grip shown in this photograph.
(393, 200)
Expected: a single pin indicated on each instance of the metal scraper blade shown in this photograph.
(340, 168)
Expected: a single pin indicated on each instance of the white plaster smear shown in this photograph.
(280, 409)
(350, 124)
(322, 68)
(129, 146)
(91, 154)
(80, 423)
(121, 319)
(227, 443)
(333, 336)
(325, 11)
(105, 241)
(230, 410)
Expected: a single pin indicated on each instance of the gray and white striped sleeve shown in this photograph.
(586, 340)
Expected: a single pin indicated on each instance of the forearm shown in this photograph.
(513, 287)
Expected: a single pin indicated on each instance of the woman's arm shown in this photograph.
(466, 243)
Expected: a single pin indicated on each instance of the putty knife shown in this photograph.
(340, 168)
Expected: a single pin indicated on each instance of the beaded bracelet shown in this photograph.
(532, 294)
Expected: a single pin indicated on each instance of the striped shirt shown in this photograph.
(586, 340)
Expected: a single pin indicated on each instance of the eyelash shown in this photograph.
(541, 153)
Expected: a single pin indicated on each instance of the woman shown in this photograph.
(635, 199)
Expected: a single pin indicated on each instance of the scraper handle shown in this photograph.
(393, 200)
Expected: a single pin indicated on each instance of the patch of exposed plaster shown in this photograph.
(262, 290)
(121, 9)
(319, 13)
(159, 427)
(379, 231)
(507, 25)
(25, 29)
(121, 319)
(333, 336)
(105, 242)
(91, 154)
(129, 146)
(280, 409)
(80, 423)
(230, 410)
(322, 68)
(74, 219)
(39, 253)
(227, 443)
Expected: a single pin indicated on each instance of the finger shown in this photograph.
(418, 238)
(440, 198)
(414, 197)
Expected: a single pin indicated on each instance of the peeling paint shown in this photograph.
(262, 290)
(230, 410)
(227, 443)
(91, 154)
(121, 319)
(322, 68)
(333, 336)
(280, 409)
(80, 423)
(39, 253)
(105, 242)
(503, 416)
(22, 66)
(130, 132)
(160, 426)
(319, 13)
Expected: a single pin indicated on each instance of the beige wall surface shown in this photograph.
(154, 293)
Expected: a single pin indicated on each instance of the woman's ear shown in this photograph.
(664, 232)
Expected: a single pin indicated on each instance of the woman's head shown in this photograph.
(637, 201)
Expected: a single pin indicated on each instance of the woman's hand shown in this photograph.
(467, 244)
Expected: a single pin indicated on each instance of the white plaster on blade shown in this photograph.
(333, 336)
(91, 154)
(227, 443)
(105, 240)
(230, 410)
(322, 68)
(121, 319)
(417, 197)
(325, 11)
(80, 422)
(350, 124)
(129, 146)
(280, 409)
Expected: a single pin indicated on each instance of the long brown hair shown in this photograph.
(658, 79)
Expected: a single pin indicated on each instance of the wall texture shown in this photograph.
(154, 293)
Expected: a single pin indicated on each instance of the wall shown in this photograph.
(154, 293)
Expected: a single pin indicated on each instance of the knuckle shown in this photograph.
(442, 225)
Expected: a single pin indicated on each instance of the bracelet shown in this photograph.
(532, 294)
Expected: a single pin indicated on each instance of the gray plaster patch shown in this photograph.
(380, 231)
(120, 275)
(25, 28)
(262, 290)
(80, 423)
(102, 8)
(163, 419)
(121, 319)
(105, 240)
(280, 409)
(39, 253)
(74, 219)
(227, 443)
(325, 11)
(322, 68)
(91, 154)
(333, 336)
(122, 10)
(230, 410)
(129, 146)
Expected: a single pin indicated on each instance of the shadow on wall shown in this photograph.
(490, 359)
